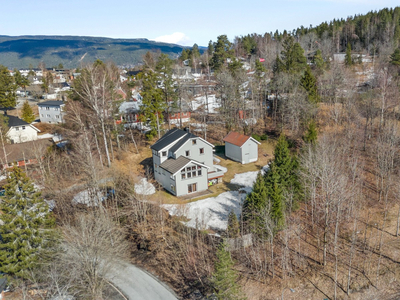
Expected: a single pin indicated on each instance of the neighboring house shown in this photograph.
(20, 131)
(241, 148)
(51, 112)
(183, 163)
(23, 154)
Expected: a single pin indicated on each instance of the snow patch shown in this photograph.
(144, 187)
(213, 212)
(86, 197)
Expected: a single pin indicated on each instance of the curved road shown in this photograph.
(137, 284)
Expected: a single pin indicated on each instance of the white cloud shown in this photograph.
(176, 38)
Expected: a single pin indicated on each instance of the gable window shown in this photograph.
(17, 128)
(201, 150)
(164, 153)
(194, 174)
(189, 175)
(187, 153)
(23, 127)
(194, 142)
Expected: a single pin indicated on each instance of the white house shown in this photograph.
(20, 131)
(241, 148)
(183, 163)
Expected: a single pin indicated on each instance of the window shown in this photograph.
(57, 116)
(48, 116)
(189, 175)
(198, 167)
(199, 172)
(47, 108)
(183, 175)
(42, 115)
(23, 127)
(172, 188)
(187, 152)
(194, 142)
(183, 170)
(194, 173)
(201, 150)
(17, 128)
(188, 169)
(164, 153)
(194, 168)
(192, 188)
(56, 108)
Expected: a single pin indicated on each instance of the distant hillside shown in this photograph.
(22, 51)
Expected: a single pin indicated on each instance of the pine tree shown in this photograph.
(311, 134)
(27, 228)
(293, 56)
(222, 51)
(27, 113)
(347, 59)
(309, 83)
(233, 225)
(225, 277)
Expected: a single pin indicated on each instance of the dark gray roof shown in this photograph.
(183, 140)
(174, 165)
(15, 121)
(170, 137)
(51, 103)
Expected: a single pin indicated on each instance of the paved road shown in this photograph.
(139, 285)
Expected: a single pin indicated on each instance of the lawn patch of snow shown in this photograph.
(144, 187)
(209, 213)
(213, 212)
(86, 197)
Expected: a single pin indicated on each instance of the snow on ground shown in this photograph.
(213, 212)
(213, 103)
(85, 197)
(45, 136)
(144, 187)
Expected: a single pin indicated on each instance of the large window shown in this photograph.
(192, 188)
(201, 150)
(190, 172)
(187, 153)
(164, 153)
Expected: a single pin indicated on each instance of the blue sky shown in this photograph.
(176, 21)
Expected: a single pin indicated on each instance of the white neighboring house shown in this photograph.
(51, 112)
(20, 131)
(241, 148)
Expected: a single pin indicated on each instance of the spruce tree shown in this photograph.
(27, 225)
(311, 133)
(27, 113)
(309, 83)
(233, 225)
(8, 97)
(225, 277)
(286, 166)
(347, 59)
(275, 197)
(254, 205)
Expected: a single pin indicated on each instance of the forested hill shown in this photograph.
(23, 51)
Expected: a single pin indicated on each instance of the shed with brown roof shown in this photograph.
(241, 148)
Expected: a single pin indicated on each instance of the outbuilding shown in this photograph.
(241, 148)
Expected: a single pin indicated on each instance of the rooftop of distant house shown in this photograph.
(51, 103)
